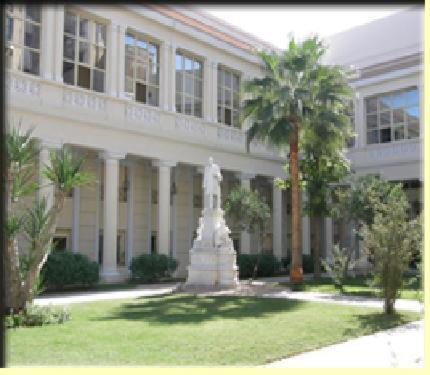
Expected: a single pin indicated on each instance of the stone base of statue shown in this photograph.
(212, 258)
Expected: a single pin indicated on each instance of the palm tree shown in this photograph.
(280, 105)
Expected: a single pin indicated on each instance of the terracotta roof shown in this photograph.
(176, 15)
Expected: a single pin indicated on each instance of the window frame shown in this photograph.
(222, 89)
(148, 40)
(14, 46)
(182, 93)
(93, 45)
(393, 126)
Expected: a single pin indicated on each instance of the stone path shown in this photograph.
(398, 347)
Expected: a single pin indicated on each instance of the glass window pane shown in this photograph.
(128, 67)
(153, 52)
(384, 118)
(32, 35)
(9, 28)
(220, 77)
(227, 98)
(99, 54)
(100, 34)
(227, 116)
(140, 92)
(141, 49)
(98, 80)
(178, 62)
(235, 82)
(33, 13)
(198, 88)
(188, 104)
(69, 47)
(236, 119)
(84, 52)
(130, 41)
(152, 96)
(178, 103)
(398, 116)
(188, 64)
(179, 79)
(84, 77)
(198, 69)
(399, 133)
(413, 129)
(70, 23)
(220, 114)
(385, 135)
(83, 28)
(141, 72)
(411, 97)
(235, 100)
(129, 85)
(220, 99)
(68, 73)
(154, 76)
(197, 108)
(31, 62)
(188, 85)
(412, 114)
(227, 79)
(371, 105)
(372, 137)
(372, 121)
(384, 102)
(398, 99)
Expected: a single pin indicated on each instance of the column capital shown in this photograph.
(164, 163)
(112, 155)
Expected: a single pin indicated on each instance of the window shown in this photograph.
(393, 116)
(61, 240)
(228, 97)
(153, 242)
(84, 52)
(189, 85)
(23, 38)
(142, 69)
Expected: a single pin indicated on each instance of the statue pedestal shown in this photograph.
(212, 258)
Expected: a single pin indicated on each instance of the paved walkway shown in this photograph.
(398, 347)
(143, 291)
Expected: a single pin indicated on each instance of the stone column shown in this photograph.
(207, 90)
(172, 77)
(164, 205)
(245, 237)
(214, 98)
(164, 76)
(46, 187)
(277, 221)
(130, 213)
(112, 50)
(306, 228)
(57, 45)
(110, 216)
(47, 58)
(76, 218)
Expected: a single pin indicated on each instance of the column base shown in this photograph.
(112, 276)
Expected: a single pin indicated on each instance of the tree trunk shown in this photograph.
(389, 306)
(296, 272)
(317, 247)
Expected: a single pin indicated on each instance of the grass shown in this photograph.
(182, 329)
(358, 286)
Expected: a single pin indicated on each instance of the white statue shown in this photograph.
(211, 185)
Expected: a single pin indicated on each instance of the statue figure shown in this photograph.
(211, 185)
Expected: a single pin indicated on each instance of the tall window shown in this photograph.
(189, 85)
(228, 97)
(142, 69)
(84, 54)
(23, 38)
(393, 116)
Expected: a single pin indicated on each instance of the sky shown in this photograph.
(275, 24)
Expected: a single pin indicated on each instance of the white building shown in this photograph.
(148, 93)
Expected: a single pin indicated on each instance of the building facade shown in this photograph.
(147, 94)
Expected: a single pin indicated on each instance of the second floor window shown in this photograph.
(393, 116)
(228, 97)
(84, 52)
(189, 85)
(23, 38)
(142, 67)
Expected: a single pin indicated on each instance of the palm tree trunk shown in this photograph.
(317, 246)
(296, 272)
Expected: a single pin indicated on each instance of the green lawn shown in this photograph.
(358, 286)
(186, 330)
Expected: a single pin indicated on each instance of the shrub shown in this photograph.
(337, 268)
(307, 263)
(268, 264)
(34, 315)
(69, 269)
(152, 267)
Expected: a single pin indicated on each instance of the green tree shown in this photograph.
(283, 103)
(248, 211)
(390, 241)
(36, 222)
